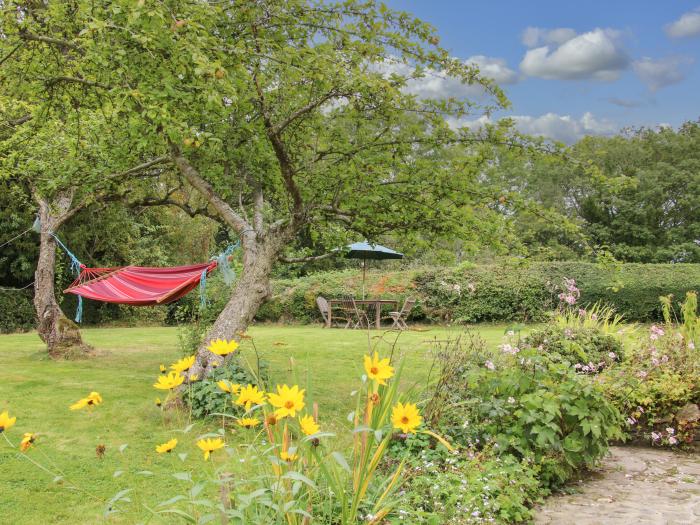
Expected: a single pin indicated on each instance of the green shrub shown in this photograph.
(462, 489)
(16, 311)
(588, 350)
(525, 405)
(205, 398)
(518, 291)
(657, 388)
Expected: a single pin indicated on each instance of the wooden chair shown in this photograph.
(356, 318)
(338, 318)
(399, 317)
(324, 309)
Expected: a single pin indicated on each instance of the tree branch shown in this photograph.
(233, 219)
(76, 80)
(64, 44)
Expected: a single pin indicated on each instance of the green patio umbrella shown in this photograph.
(365, 251)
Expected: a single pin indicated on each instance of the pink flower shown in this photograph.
(568, 333)
(691, 345)
(654, 361)
(594, 317)
(672, 440)
(581, 312)
(612, 355)
(655, 436)
(490, 365)
(656, 332)
(671, 430)
(631, 421)
(642, 374)
(507, 348)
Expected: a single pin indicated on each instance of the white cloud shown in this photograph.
(563, 128)
(495, 68)
(437, 84)
(625, 102)
(661, 73)
(686, 26)
(596, 54)
(536, 36)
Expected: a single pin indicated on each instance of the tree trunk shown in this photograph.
(251, 291)
(61, 335)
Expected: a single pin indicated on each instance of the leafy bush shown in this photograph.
(525, 405)
(205, 398)
(658, 387)
(16, 311)
(501, 292)
(475, 488)
(588, 349)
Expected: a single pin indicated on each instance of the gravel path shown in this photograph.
(633, 486)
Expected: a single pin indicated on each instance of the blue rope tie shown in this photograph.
(227, 272)
(75, 266)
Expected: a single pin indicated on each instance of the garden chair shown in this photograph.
(356, 318)
(399, 317)
(338, 318)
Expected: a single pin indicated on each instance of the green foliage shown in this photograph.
(462, 489)
(588, 350)
(501, 292)
(206, 399)
(524, 405)
(658, 387)
(16, 311)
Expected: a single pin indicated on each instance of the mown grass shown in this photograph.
(38, 391)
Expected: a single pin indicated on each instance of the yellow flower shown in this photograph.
(159, 403)
(287, 401)
(92, 400)
(221, 347)
(193, 378)
(167, 447)
(172, 380)
(209, 446)
(231, 388)
(163, 369)
(308, 425)
(406, 417)
(286, 456)
(183, 365)
(378, 370)
(6, 421)
(27, 441)
(248, 422)
(249, 396)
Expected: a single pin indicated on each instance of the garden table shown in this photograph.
(378, 303)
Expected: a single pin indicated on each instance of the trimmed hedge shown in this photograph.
(518, 291)
(16, 311)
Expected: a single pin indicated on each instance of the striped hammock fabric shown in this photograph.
(139, 285)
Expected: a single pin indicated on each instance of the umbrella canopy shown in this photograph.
(365, 250)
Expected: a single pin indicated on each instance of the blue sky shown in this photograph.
(576, 68)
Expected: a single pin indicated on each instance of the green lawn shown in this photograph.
(38, 391)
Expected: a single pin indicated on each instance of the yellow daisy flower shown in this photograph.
(308, 425)
(172, 380)
(378, 369)
(209, 446)
(406, 417)
(6, 421)
(27, 441)
(249, 396)
(159, 403)
(248, 422)
(221, 347)
(193, 378)
(287, 401)
(183, 365)
(286, 456)
(167, 447)
(231, 388)
(90, 401)
(163, 370)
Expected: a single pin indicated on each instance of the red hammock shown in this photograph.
(138, 285)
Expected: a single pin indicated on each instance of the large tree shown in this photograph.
(285, 116)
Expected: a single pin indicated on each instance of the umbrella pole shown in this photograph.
(364, 269)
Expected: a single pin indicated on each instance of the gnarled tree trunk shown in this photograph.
(251, 291)
(61, 335)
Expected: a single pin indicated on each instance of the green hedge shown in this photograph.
(519, 291)
(16, 311)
